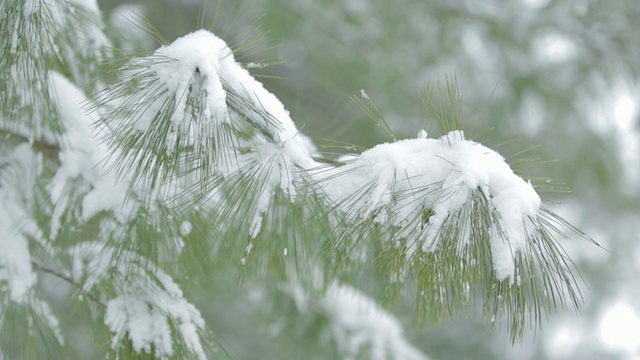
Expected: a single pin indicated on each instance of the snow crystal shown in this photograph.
(449, 168)
(279, 175)
(77, 123)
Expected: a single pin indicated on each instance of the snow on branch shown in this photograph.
(361, 327)
(16, 274)
(20, 169)
(446, 212)
(188, 121)
(148, 308)
(430, 179)
(35, 34)
(83, 162)
(449, 213)
(353, 322)
(190, 108)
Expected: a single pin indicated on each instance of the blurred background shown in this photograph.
(552, 85)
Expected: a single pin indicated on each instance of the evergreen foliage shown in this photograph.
(133, 199)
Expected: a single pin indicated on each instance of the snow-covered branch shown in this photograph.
(187, 150)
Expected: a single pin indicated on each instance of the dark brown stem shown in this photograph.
(70, 281)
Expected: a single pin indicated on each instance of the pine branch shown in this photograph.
(70, 281)
(187, 150)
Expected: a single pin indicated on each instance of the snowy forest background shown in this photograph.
(552, 85)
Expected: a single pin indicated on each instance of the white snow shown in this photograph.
(146, 302)
(52, 9)
(15, 258)
(42, 310)
(203, 64)
(90, 38)
(214, 61)
(145, 321)
(185, 228)
(90, 5)
(17, 276)
(82, 155)
(20, 167)
(360, 326)
(439, 174)
(200, 52)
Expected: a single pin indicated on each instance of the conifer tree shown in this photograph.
(144, 193)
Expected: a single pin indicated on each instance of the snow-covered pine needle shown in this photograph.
(361, 328)
(189, 110)
(38, 34)
(347, 320)
(26, 319)
(265, 215)
(144, 305)
(28, 44)
(452, 216)
(189, 125)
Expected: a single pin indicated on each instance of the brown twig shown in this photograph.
(70, 281)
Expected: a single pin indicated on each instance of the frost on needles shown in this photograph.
(187, 150)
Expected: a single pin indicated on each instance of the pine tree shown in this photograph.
(143, 194)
